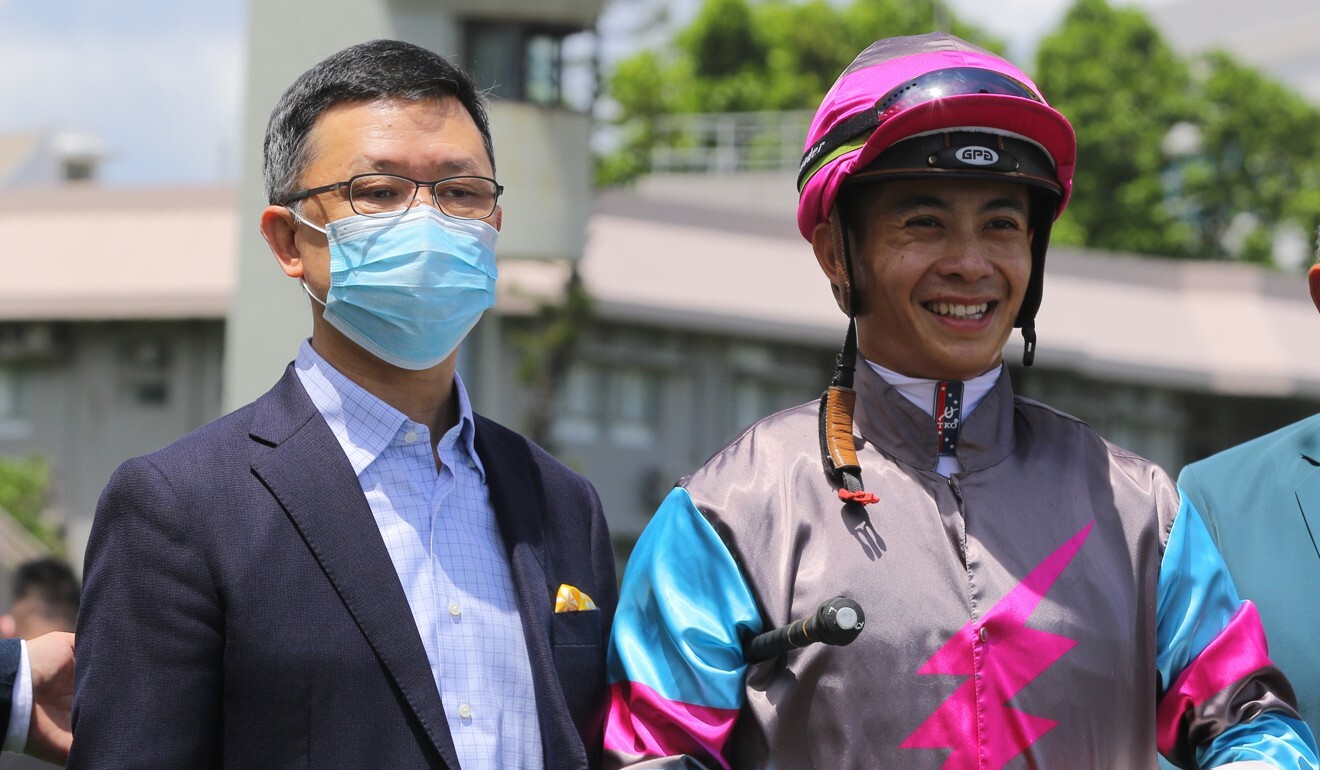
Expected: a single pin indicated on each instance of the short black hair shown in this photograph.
(379, 69)
(52, 583)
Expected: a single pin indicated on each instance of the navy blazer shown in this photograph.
(240, 608)
(1261, 502)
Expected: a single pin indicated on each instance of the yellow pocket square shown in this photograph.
(569, 599)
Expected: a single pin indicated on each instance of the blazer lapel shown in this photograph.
(312, 480)
(517, 496)
(1308, 491)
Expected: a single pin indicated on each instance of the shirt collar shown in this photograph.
(921, 391)
(902, 426)
(364, 424)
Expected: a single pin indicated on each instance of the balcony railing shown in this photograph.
(725, 143)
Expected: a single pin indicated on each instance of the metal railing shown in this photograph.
(723, 143)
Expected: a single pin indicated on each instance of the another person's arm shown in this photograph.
(676, 665)
(51, 665)
(1222, 701)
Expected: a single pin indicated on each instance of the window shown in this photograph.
(620, 404)
(144, 373)
(579, 411)
(14, 404)
(767, 379)
(634, 404)
(527, 63)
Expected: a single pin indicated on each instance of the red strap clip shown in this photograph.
(860, 496)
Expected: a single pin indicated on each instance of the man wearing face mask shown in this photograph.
(355, 570)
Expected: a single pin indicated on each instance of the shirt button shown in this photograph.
(454, 609)
(985, 633)
(410, 437)
(465, 711)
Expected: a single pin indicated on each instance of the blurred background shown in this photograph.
(655, 296)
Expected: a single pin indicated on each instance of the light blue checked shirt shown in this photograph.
(442, 536)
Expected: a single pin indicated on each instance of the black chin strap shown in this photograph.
(1028, 342)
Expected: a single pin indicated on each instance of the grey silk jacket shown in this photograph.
(1054, 604)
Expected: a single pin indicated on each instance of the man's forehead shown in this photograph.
(394, 135)
(945, 192)
(447, 112)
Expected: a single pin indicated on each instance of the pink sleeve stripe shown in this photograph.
(1236, 653)
(643, 722)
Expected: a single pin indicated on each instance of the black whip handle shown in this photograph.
(836, 621)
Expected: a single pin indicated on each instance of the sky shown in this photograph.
(160, 81)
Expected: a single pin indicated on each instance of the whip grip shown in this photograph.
(836, 621)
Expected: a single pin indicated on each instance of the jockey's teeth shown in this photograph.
(958, 311)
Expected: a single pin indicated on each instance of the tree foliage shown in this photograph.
(1258, 163)
(749, 56)
(1123, 88)
(1176, 156)
(1199, 157)
(547, 349)
(25, 484)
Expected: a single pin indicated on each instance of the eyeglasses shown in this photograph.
(387, 195)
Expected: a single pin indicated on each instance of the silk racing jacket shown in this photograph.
(1057, 603)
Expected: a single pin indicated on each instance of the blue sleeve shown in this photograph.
(1216, 677)
(676, 665)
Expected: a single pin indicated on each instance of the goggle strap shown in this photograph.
(833, 143)
(837, 406)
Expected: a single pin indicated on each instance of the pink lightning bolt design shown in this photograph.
(1011, 658)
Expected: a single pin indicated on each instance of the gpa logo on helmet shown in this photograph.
(977, 156)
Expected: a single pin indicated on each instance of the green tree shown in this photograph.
(25, 493)
(1201, 158)
(546, 352)
(1195, 158)
(1257, 160)
(1123, 88)
(748, 56)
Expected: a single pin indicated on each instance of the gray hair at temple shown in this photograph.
(379, 69)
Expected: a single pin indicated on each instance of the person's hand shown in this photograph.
(49, 734)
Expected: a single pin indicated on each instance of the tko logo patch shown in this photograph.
(977, 156)
(948, 416)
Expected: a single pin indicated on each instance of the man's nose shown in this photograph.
(425, 194)
(967, 258)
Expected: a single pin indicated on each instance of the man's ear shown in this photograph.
(280, 230)
(1313, 276)
(497, 221)
(827, 243)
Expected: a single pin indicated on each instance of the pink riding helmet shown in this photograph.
(905, 87)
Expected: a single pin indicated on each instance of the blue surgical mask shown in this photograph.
(408, 289)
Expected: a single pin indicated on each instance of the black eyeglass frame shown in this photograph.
(347, 184)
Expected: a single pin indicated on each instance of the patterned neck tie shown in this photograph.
(948, 415)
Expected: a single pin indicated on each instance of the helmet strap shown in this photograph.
(842, 261)
(1028, 342)
(837, 448)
